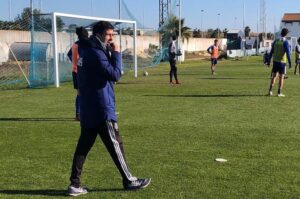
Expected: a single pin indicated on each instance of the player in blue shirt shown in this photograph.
(281, 54)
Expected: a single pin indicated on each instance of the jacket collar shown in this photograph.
(97, 43)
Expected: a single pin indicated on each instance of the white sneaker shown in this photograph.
(270, 93)
(73, 191)
(280, 95)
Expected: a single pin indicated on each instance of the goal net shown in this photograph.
(14, 54)
(50, 45)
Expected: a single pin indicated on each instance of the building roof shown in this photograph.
(233, 31)
(291, 17)
(254, 34)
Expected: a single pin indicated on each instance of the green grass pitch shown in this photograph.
(171, 134)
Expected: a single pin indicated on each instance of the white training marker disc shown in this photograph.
(220, 160)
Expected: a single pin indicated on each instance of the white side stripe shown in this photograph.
(118, 151)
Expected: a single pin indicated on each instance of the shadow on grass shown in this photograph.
(230, 78)
(38, 119)
(42, 192)
(50, 192)
(167, 74)
(225, 95)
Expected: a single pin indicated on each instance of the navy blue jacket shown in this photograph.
(98, 69)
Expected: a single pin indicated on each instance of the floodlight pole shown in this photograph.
(244, 46)
(91, 7)
(235, 18)
(119, 9)
(179, 34)
(41, 5)
(202, 23)
(135, 50)
(257, 42)
(9, 10)
(32, 76)
(120, 32)
(218, 24)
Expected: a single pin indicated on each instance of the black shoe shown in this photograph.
(136, 184)
(77, 117)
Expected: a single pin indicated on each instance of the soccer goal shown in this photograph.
(56, 66)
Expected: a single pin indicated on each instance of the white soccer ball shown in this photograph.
(146, 73)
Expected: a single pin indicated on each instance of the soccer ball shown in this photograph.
(146, 73)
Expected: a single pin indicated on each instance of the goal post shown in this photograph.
(92, 20)
(53, 36)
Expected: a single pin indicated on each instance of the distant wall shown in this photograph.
(293, 27)
(8, 37)
(197, 44)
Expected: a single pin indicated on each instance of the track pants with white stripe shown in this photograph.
(110, 136)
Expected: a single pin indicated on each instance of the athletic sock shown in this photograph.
(270, 89)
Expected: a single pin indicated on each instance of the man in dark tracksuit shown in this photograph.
(99, 66)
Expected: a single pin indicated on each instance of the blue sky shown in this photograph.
(146, 11)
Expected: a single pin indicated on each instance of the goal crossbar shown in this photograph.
(54, 38)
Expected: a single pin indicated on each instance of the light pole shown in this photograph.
(32, 52)
(257, 38)
(202, 23)
(244, 42)
(40, 5)
(91, 7)
(218, 23)
(235, 18)
(179, 35)
(120, 31)
(9, 10)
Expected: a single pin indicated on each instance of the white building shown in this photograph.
(291, 21)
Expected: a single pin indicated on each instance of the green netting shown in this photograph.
(42, 68)
(14, 54)
(24, 57)
(152, 51)
(27, 59)
(41, 71)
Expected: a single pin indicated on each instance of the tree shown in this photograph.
(9, 25)
(197, 33)
(225, 31)
(171, 28)
(41, 22)
(247, 31)
(127, 31)
(216, 33)
(209, 33)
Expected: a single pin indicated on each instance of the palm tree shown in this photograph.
(170, 28)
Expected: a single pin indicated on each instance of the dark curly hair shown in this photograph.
(82, 33)
(102, 26)
(284, 32)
